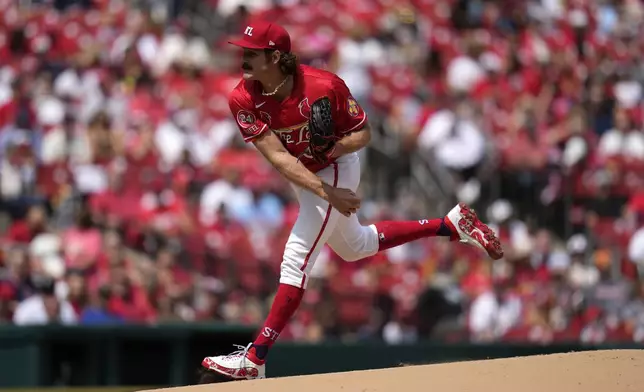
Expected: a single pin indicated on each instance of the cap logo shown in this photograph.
(271, 43)
(249, 31)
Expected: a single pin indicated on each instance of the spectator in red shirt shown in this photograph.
(173, 280)
(7, 302)
(163, 212)
(129, 299)
(23, 231)
(82, 243)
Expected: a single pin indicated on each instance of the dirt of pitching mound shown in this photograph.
(593, 371)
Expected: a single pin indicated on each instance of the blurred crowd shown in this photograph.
(127, 195)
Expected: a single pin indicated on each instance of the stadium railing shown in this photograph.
(171, 355)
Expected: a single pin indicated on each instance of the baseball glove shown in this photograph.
(322, 140)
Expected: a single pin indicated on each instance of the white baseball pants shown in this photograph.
(318, 223)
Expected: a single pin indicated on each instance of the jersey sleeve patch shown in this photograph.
(352, 107)
(245, 119)
(349, 115)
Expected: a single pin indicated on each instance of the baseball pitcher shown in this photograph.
(305, 122)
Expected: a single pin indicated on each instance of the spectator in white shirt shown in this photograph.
(492, 314)
(623, 140)
(225, 192)
(44, 308)
(457, 142)
(464, 71)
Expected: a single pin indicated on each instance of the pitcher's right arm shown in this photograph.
(269, 145)
(254, 130)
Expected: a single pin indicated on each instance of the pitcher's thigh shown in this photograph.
(314, 225)
(353, 241)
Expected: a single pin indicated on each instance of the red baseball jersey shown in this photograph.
(289, 119)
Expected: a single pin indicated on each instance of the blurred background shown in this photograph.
(127, 195)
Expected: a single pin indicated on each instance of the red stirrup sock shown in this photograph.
(392, 233)
(286, 302)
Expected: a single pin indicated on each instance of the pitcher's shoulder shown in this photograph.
(243, 91)
(321, 78)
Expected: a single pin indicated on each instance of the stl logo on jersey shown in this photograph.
(352, 107)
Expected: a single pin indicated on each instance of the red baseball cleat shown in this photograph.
(474, 232)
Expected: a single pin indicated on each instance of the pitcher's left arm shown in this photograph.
(353, 141)
(352, 126)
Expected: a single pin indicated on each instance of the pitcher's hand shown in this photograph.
(343, 200)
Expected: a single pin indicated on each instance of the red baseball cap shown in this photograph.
(264, 35)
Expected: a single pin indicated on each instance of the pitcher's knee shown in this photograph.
(363, 245)
(292, 270)
(351, 256)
